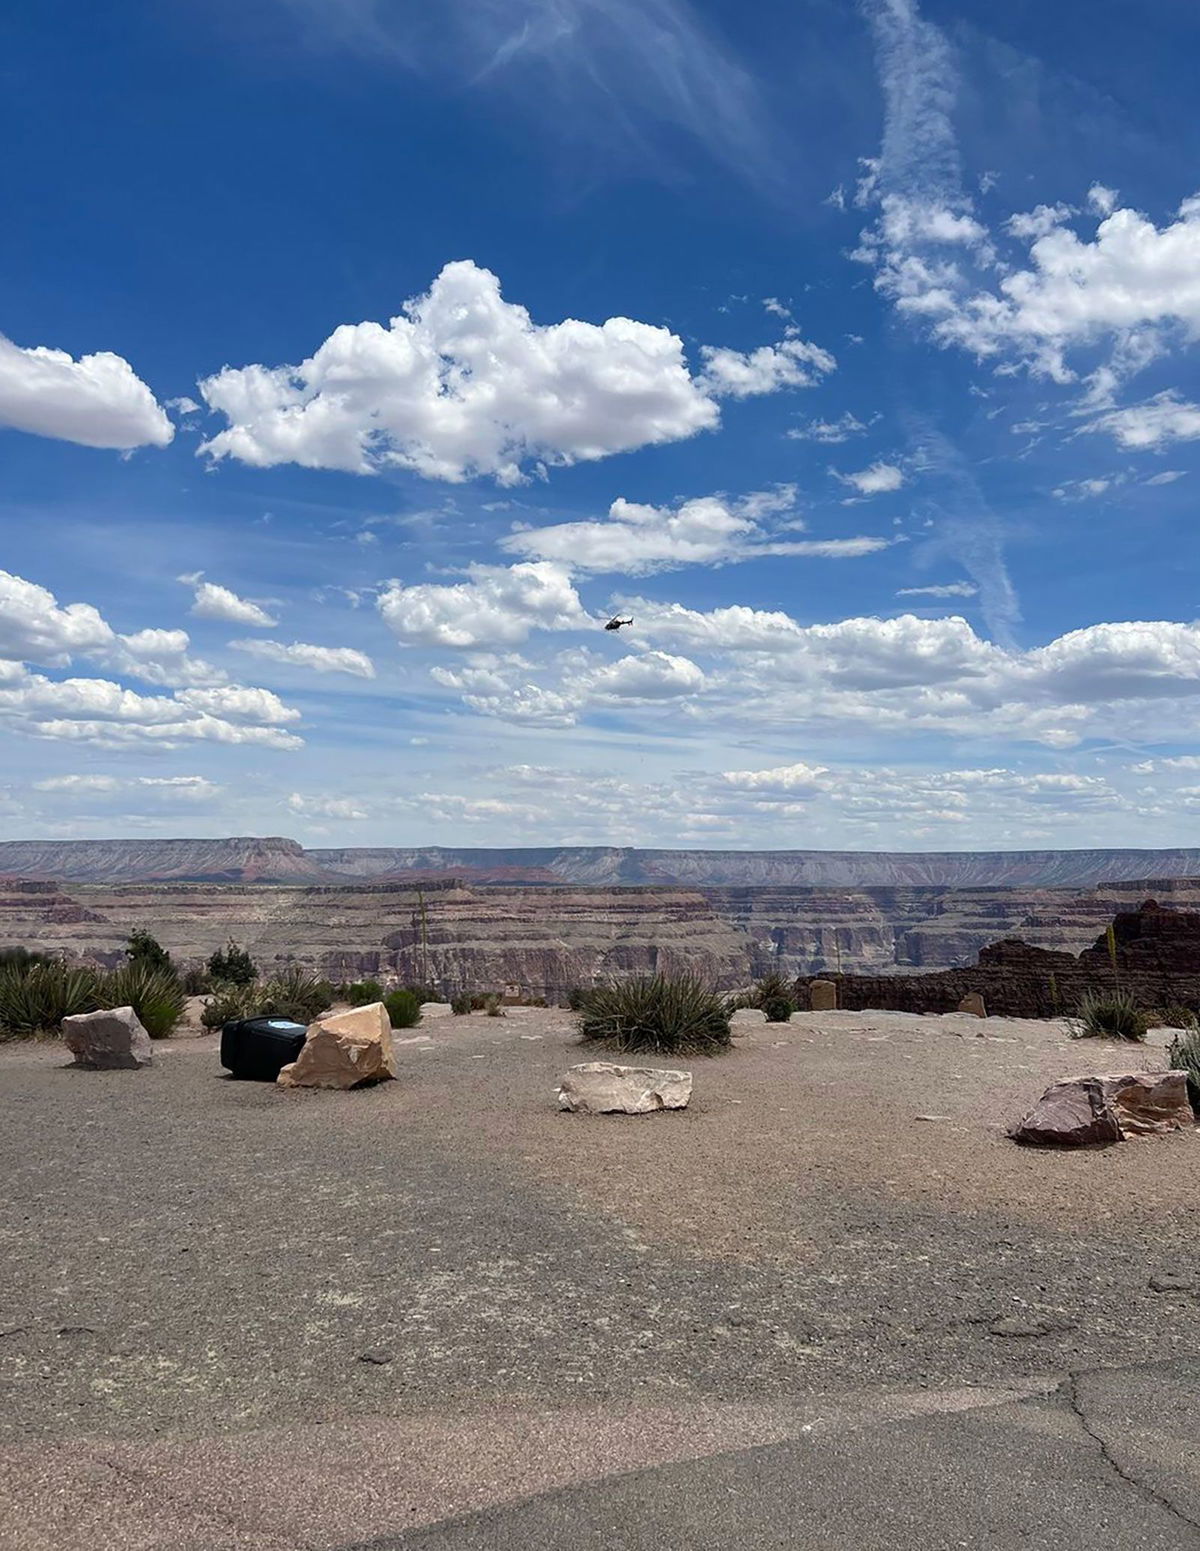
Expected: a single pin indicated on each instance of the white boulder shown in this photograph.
(110, 1040)
(602, 1088)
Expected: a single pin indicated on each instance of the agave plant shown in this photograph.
(672, 1015)
(1109, 1015)
(1184, 1056)
(156, 995)
(37, 996)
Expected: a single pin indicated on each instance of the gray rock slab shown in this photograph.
(111, 1040)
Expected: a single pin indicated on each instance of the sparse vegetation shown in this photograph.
(1184, 1056)
(403, 1009)
(156, 995)
(1109, 1015)
(493, 1005)
(360, 992)
(292, 993)
(577, 997)
(37, 994)
(670, 1015)
(778, 1009)
(196, 982)
(232, 966)
(147, 951)
(462, 1004)
(1173, 1016)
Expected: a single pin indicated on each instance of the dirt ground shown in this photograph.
(199, 1273)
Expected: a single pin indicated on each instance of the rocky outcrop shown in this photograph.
(602, 1088)
(112, 1040)
(1094, 1111)
(1151, 952)
(344, 1050)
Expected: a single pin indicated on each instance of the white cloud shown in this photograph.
(238, 703)
(792, 363)
(828, 431)
(463, 383)
(496, 606)
(792, 781)
(97, 401)
(637, 539)
(34, 627)
(214, 602)
(940, 590)
(646, 677)
(170, 789)
(878, 479)
(1164, 418)
(321, 659)
(1167, 477)
(327, 807)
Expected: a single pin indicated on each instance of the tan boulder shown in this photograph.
(822, 996)
(344, 1050)
(1150, 1103)
(972, 1003)
(602, 1088)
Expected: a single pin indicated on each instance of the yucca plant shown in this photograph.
(229, 1003)
(1109, 1015)
(156, 995)
(294, 993)
(1184, 1056)
(37, 996)
(670, 1015)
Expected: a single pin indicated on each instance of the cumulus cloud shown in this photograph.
(303, 654)
(878, 479)
(96, 401)
(214, 602)
(645, 678)
(638, 539)
(463, 383)
(326, 807)
(34, 627)
(497, 605)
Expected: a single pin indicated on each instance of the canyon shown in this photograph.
(541, 938)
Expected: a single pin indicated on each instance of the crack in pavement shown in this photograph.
(1069, 1389)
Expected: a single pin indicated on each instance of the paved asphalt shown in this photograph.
(234, 1318)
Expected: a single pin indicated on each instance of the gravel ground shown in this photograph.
(188, 1259)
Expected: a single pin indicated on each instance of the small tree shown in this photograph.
(232, 966)
(147, 952)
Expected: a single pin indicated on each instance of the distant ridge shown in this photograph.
(275, 859)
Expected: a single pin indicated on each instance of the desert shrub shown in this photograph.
(403, 1009)
(21, 957)
(196, 982)
(228, 1002)
(493, 1005)
(156, 995)
(232, 966)
(778, 1009)
(292, 993)
(1109, 1015)
(360, 992)
(462, 1004)
(657, 1014)
(146, 950)
(577, 997)
(1184, 1056)
(37, 995)
(1172, 1016)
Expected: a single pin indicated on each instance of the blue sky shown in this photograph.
(360, 357)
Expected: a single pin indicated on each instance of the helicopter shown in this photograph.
(615, 623)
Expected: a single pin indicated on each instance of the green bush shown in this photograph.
(1184, 1056)
(403, 1009)
(21, 957)
(196, 982)
(37, 994)
(156, 995)
(778, 1009)
(148, 951)
(657, 1015)
(1109, 1015)
(493, 1005)
(577, 997)
(232, 966)
(360, 992)
(292, 993)
(462, 1004)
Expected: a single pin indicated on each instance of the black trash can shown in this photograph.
(257, 1048)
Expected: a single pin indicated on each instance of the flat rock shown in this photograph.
(111, 1040)
(602, 1088)
(746, 1017)
(822, 996)
(436, 1009)
(344, 1050)
(1093, 1111)
(1173, 1282)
